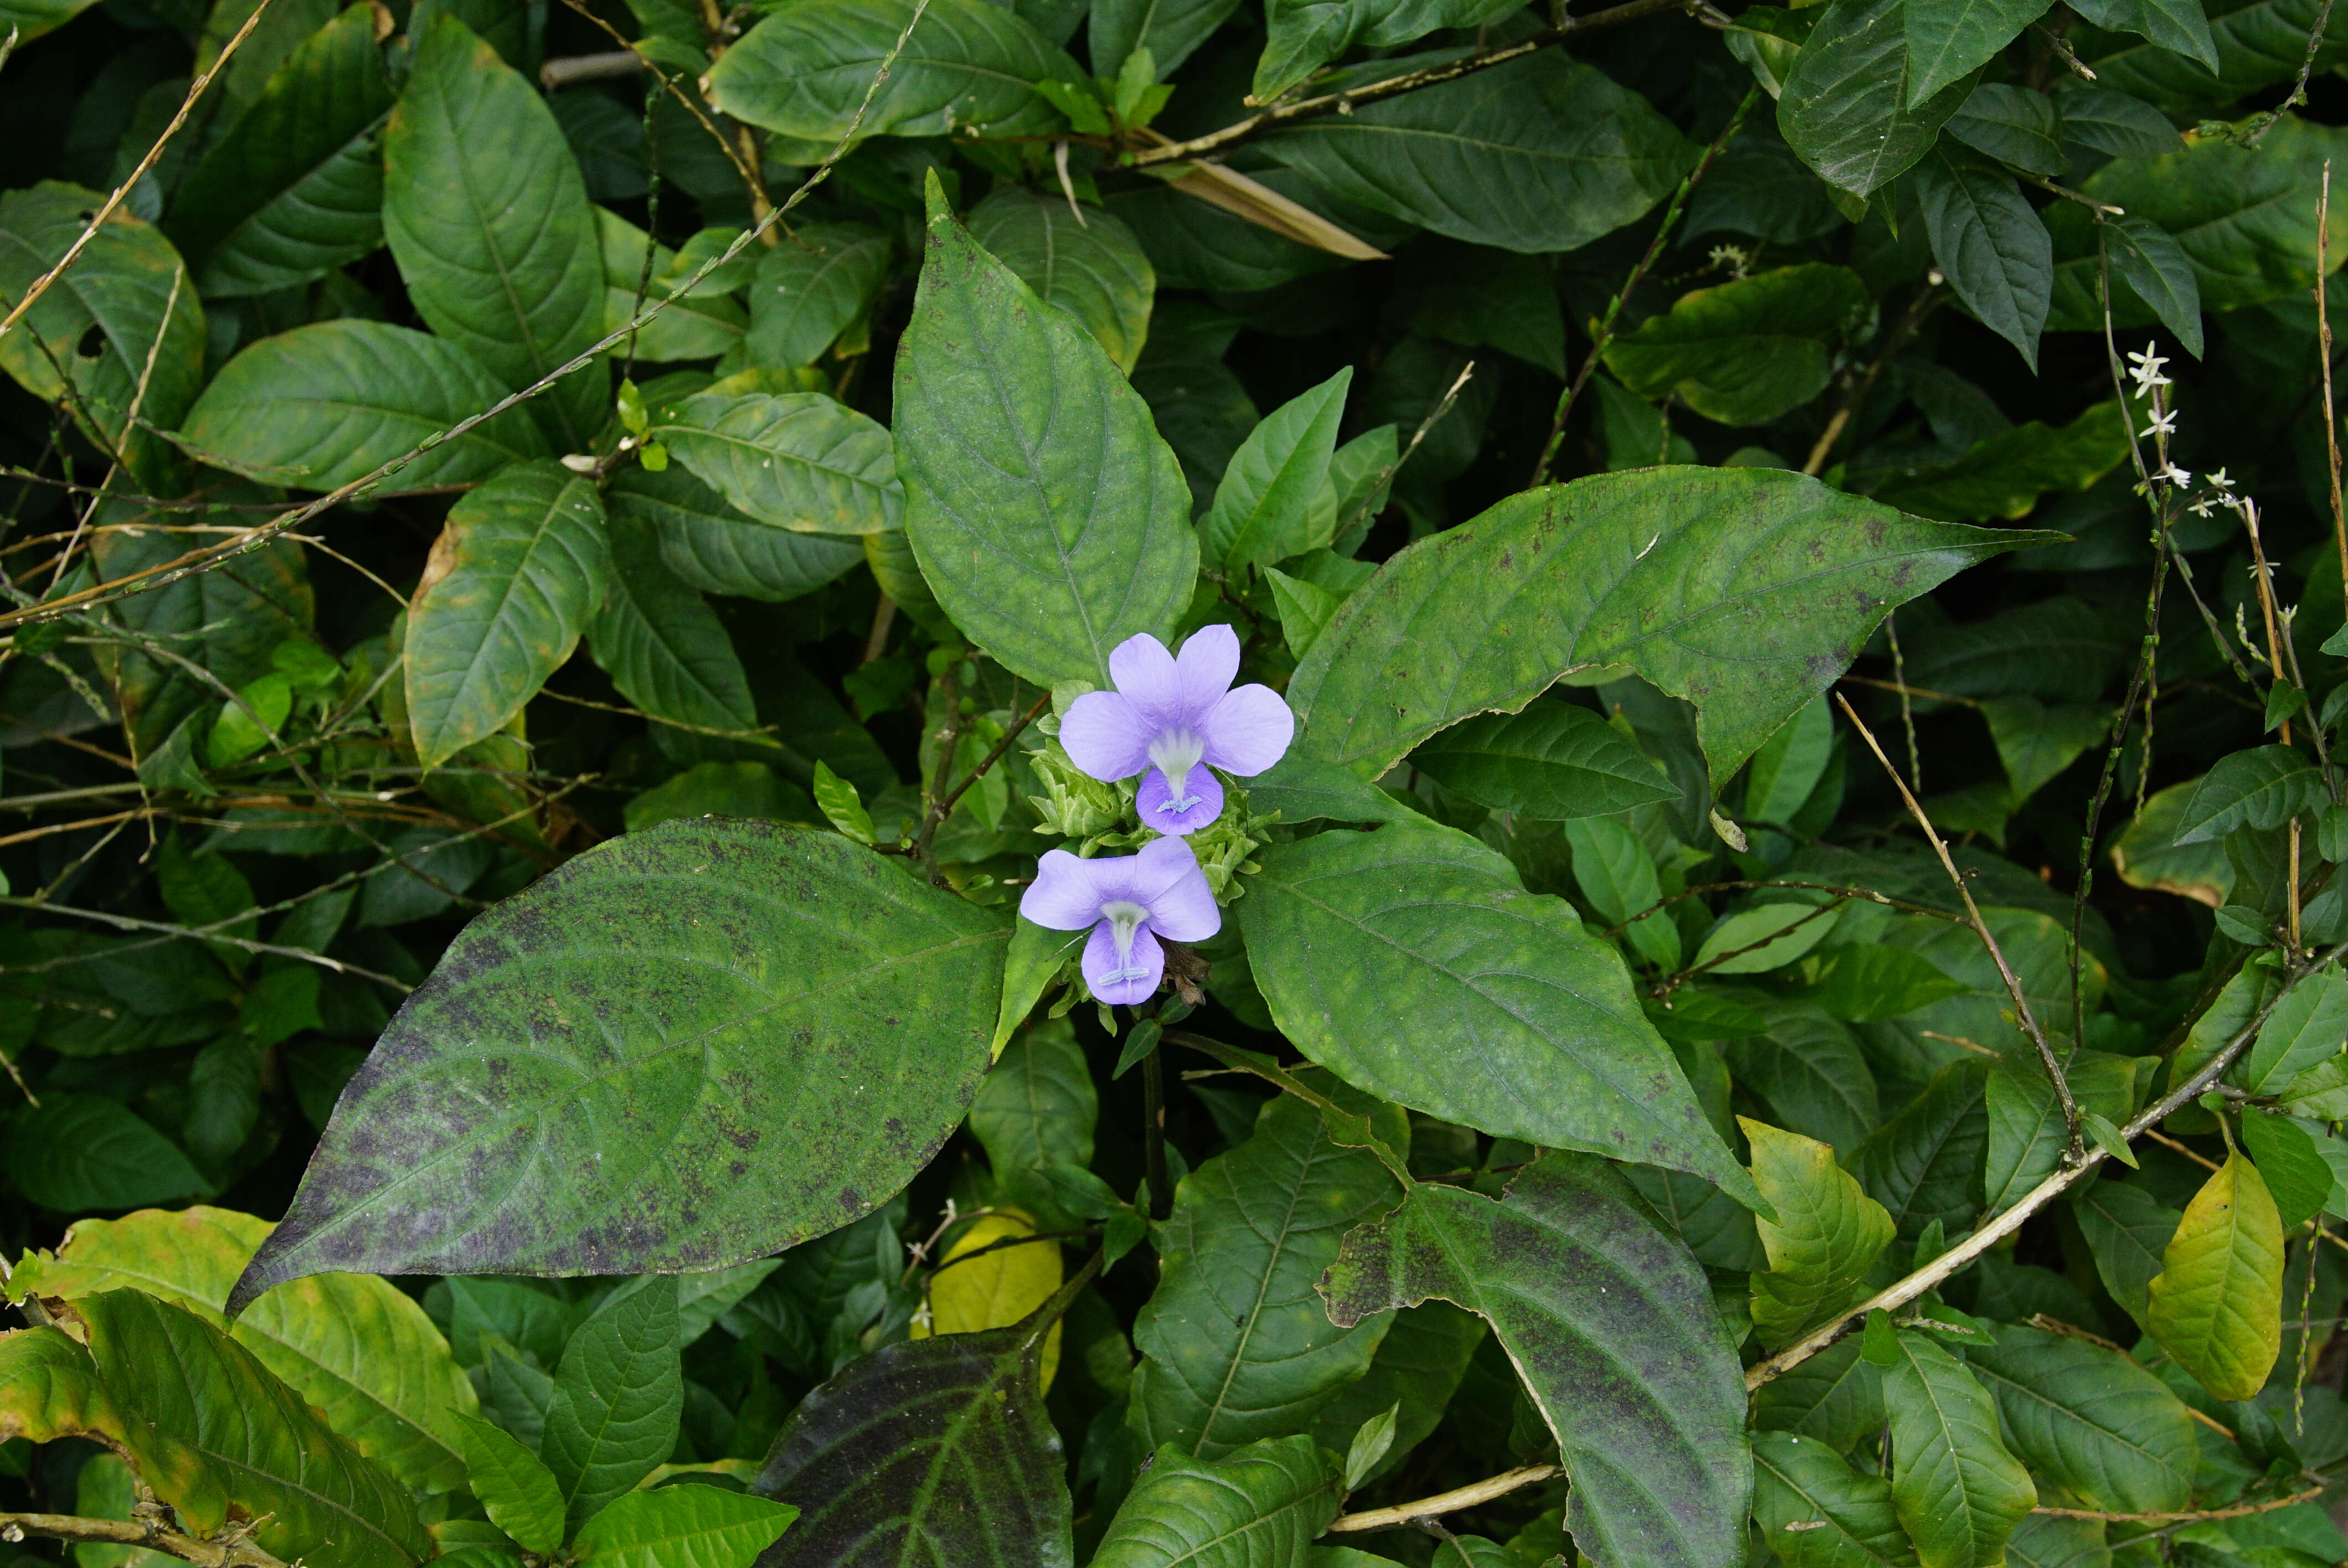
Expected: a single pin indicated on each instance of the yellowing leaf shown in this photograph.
(353, 1345)
(1828, 1234)
(999, 1289)
(2217, 1303)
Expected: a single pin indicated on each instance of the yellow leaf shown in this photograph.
(1828, 1234)
(2217, 1303)
(999, 1289)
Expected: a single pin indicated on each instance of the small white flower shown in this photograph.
(2177, 476)
(2218, 476)
(2201, 508)
(2144, 366)
(2164, 423)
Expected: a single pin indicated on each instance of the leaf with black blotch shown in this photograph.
(929, 1451)
(1611, 1324)
(813, 1021)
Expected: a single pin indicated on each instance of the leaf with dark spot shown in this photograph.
(562, 1096)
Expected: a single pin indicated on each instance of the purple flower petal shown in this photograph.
(1155, 800)
(1114, 983)
(1063, 897)
(1206, 667)
(1166, 879)
(1146, 677)
(1249, 730)
(1105, 736)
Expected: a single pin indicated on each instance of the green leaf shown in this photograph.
(1580, 155)
(683, 1527)
(811, 287)
(1807, 1066)
(1816, 1511)
(2179, 26)
(2003, 476)
(1087, 263)
(1924, 1164)
(254, 1441)
(1275, 500)
(2305, 1027)
(928, 1450)
(2154, 266)
(1786, 771)
(2027, 1136)
(31, 18)
(1959, 1493)
(2291, 1160)
(1868, 984)
(966, 71)
(823, 1028)
(1302, 35)
(1616, 875)
(710, 545)
(2127, 1230)
(1743, 353)
(2036, 741)
(1990, 245)
(794, 460)
(1304, 608)
(121, 287)
(329, 403)
(662, 644)
(1048, 518)
(518, 570)
(1527, 1027)
(1748, 942)
(516, 1489)
(1550, 763)
(722, 789)
(1264, 1504)
(2216, 1305)
(693, 326)
(2103, 120)
(1037, 1105)
(1949, 39)
(1369, 1446)
(2090, 1420)
(1847, 109)
(1236, 1346)
(2262, 788)
(1609, 1321)
(1836, 1397)
(487, 217)
(2012, 125)
(1169, 29)
(1827, 1236)
(294, 189)
(618, 1397)
(1419, 1367)
(75, 1152)
(357, 1347)
(1741, 590)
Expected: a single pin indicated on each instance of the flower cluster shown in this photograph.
(1174, 719)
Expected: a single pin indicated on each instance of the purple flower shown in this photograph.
(1129, 901)
(1177, 717)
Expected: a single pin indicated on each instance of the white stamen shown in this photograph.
(1125, 918)
(1174, 753)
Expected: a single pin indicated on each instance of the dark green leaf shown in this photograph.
(929, 1451)
(1867, 984)
(326, 404)
(2127, 1229)
(2151, 263)
(1743, 353)
(1236, 1345)
(2262, 788)
(1816, 1511)
(966, 71)
(617, 1397)
(662, 644)
(1807, 1066)
(1037, 1105)
(2089, 1419)
(2297, 1175)
(2179, 27)
(2306, 1027)
(2012, 125)
(518, 570)
(1847, 107)
(1948, 39)
(863, 988)
(1263, 1504)
(1991, 246)
(1169, 29)
(2003, 476)
(1552, 761)
(1049, 519)
(1925, 1162)
(1584, 1289)
(1741, 590)
(1275, 500)
(1580, 156)
(811, 287)
(294, 189)
(1957, 1490)
(2103, 120)
(1528, 1028)
(75, 1153)
(1087, 263)
(516, 1489)
(488, 217)
(1419, 1366)
(2027, 1133)
(792, 460)
(716, 548)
